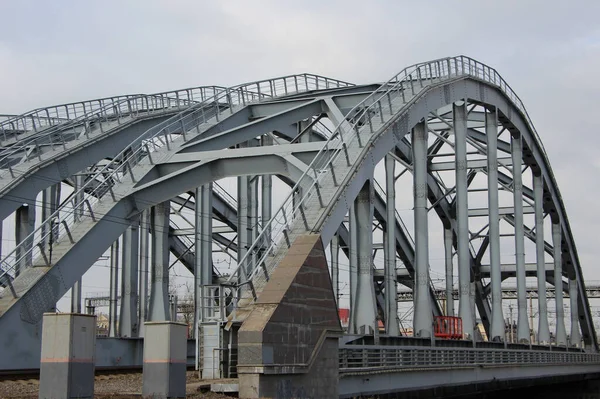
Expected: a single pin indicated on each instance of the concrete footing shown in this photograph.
(67, 363)
(165, 357)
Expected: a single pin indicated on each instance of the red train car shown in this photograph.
(448, 327)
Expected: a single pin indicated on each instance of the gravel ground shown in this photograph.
(115, 386)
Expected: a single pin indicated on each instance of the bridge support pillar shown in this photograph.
(243, 234)
(334, 246)
(561, 333)
(253, 217)
(296, 305)
(50, 203)
(203, 267)
(353, 272)
(113, 289)
(575, 337)
(68, 351)
(491, 131)
(144, 262)
(423, 318)
(462, 218)
(449, 272)
(128, 319)
(165, 356)
(266, 196)
(517, 160)
(24, 225)
(538, 194)
(364, 303)
(390, 276)
(159, 294)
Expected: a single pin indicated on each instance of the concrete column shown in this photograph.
(76, 297)
(353, 269)
(390, 276)
(449, 272)
(561, 333)
(242, 237)
(334, 246)
(364, 303)
(538, 195)
(128, 320)
(68, 350)
(462, 218)
(113, 289)
(203, 267)
(159, 293)
(517, 160)
(165, 358)
(24, 225)
(491, 131)
(423, 318)
(144, 262)
(575, 337)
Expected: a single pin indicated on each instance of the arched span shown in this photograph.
(431, 98)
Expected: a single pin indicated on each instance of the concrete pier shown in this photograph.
(165, 356)
(288, 345)
(68, 350)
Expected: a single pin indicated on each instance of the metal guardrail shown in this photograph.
(153, 139)
(119, 112)
(410, 81)
(366, 358)
(42, 118)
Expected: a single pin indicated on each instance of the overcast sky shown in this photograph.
(61, 51)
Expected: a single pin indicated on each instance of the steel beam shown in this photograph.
(113, 289)
(538, 194)
(448, 238)
(24, 226)
(575, 336)
(334, 247)
(266, 195)
(422, 320)
(203, 267)
(491, 131)
(462, 217)
(390, 279)
(523, 335)
(144, 269)
(158, 309)
(364, 304)
(128, 319)
(353, 268)
(561, 333)
(243, 242)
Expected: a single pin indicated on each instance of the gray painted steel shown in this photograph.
(378, 126)
(422, 320)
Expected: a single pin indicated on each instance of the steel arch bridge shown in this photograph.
(148, 170)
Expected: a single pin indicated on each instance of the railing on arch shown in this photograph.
(40, 119)
(404, 85)
(81, 205)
